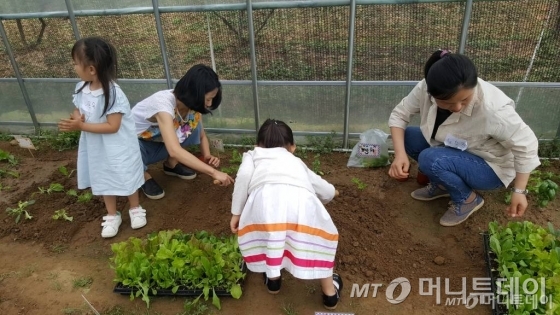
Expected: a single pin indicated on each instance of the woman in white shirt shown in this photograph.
(470, 138)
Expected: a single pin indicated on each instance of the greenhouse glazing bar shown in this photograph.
(72, 17)
(350, 64)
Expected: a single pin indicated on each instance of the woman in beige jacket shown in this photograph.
(470, 138)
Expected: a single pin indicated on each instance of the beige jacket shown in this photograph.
(489, 124)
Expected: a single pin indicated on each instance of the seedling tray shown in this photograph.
(126, 290)
(492, 270)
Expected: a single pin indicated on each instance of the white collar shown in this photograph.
(87, 90)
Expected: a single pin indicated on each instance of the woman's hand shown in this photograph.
(400, 166)
(517, 206)
(212, 160)
(234, 223)
(222, 179)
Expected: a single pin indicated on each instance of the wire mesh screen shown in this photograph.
(6, 69)
(394, 41)
(108, 4)
(236, 110)
(193, 38)
(26, 6)
(12, 103)
(136, 41)
(302, 43)
(42, 46)
(509, 39)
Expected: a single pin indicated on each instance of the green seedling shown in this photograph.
(53, 187)
(4, 188)
(6, 156)
(3, 173)
(232, 170)
(85, 197)
(361, 185)
(64, 171)
(72, 192)
(317, 166)
(20, 210)
(82, 282)
(236, 157)
(61, 214)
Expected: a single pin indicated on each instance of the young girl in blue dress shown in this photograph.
(109, 159)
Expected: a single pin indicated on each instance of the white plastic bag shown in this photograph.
(371, 151)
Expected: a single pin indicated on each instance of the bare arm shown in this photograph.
(76, 122)
(165, 122)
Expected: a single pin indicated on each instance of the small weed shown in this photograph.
(322, 144)
(545, 163)
(288, 309)
(58, 248)
(82, 282)
(550, 149)
(317, 166)
(248, 141)
(236, 157)
(57, 286)
(195, 307)
(61, 214)
(53, 187)
(72, 311)
(64, 171)
(28, 271)
(361, 185)
(63, 141)
(3, 173)
(20, 210)
(232, 170)
(72, 192)
(301, 153)
(11, 274)
(5, 188)
(6, 156)
(85, 197)
(52, 275)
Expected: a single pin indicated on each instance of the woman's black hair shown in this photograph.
(193, 86)
(96, 52)
(275, 134)
(446, 73)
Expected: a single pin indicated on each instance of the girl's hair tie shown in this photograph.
(444, 52)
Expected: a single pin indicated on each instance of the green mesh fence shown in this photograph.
(515, 40)
(136, 41)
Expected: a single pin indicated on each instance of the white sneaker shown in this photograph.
(111, 225)
(137, 217)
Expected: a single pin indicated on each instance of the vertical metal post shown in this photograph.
(18, 76)
(72, 17)
(155, 4)
(351, 28)
(253, 63)
(465, 27)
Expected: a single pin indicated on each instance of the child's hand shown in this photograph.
(212, 160)
(234, 223)
(70, 124)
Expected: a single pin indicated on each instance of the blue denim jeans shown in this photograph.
(458, 171)
(153, 151)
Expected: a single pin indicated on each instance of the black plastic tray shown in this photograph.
(126, 290)
(492, 270)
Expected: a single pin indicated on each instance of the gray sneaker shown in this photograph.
(457, 213)
(430, 192)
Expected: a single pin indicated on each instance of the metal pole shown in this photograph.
(155, 4)
(72, 17)
(465, 28)
(19, 78)
(351, 27)
(253, 64)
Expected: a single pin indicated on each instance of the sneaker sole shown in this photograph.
(331, 307)
(468, 215)
(273, 292)
(154, 197)
(180, 176)
(429, 199)
(137, 227)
